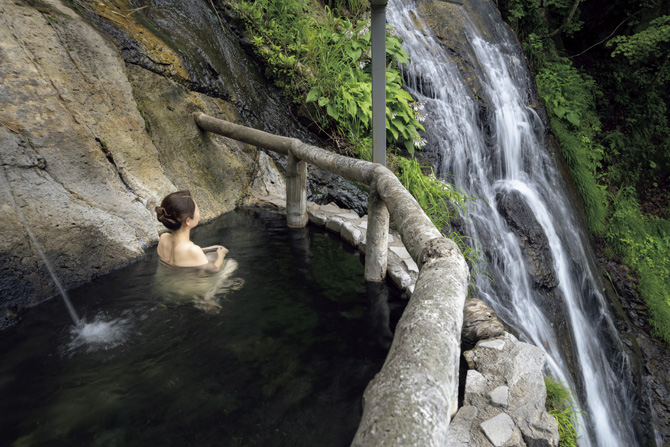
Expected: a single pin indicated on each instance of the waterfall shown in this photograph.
(489, 141)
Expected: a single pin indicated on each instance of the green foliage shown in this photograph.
(324, 61)
(640, 76)
(354, 7)
(523, 16)
(559, 405)
(646, 46)
(433, 194)
(347, 98)
(613, 127)
(569, 97)
(540, 17)
(644, 244)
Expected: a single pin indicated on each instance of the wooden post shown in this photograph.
(376, 244)
(296, 192)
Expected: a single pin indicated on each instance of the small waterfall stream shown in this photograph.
(489, 142)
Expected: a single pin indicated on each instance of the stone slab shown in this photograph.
(498, 429)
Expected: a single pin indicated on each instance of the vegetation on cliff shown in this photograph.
(321, 57)
(603, 71)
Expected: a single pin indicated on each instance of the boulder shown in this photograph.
(479, 322)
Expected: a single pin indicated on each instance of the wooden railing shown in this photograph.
(411, 400)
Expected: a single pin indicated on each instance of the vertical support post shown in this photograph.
(378, 31)
(377, 238)
(296, 192)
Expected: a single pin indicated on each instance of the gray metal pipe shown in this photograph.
(378, 27)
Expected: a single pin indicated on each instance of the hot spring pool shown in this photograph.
(283, 361)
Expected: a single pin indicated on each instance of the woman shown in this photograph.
(179, 213)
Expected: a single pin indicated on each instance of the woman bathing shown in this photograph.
(184, 270)
(179, 213)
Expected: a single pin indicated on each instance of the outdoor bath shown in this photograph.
(283, 361)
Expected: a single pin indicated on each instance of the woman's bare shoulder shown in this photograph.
(194, 255)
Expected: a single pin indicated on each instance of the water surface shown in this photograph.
(283, 361)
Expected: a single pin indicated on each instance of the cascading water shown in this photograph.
(493, 148)
(99, 334)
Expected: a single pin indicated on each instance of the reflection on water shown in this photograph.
(283, 362)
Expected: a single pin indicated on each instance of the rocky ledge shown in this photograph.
(505, 394)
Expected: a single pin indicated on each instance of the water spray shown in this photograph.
(73, 313)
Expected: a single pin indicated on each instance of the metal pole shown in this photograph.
(378, 26)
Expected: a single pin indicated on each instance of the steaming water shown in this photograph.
(493, 148)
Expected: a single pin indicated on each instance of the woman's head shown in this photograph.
(175, 209)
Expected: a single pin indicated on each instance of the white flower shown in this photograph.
(365, 30)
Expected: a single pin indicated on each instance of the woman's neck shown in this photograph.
(182, 235)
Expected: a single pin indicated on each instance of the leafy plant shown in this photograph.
(433, 194)
(349, 101)
(569, 97)
(559, 405)
(324, 61)
(644, 244)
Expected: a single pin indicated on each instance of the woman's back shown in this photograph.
(180, 252)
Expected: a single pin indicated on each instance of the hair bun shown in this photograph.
(165, 218)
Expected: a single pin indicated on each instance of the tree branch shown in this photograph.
(606, 38)
(565, 22)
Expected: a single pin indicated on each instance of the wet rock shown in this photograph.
(532, 240)
(650, 357)
(324, 187)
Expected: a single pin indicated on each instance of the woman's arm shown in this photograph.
(212, 248)
(221, 252)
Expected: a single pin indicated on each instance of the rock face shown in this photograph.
(504, 403)
(651, 356)
(532, 240)
(96, 127)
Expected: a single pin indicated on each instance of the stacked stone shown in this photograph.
(505, 394)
